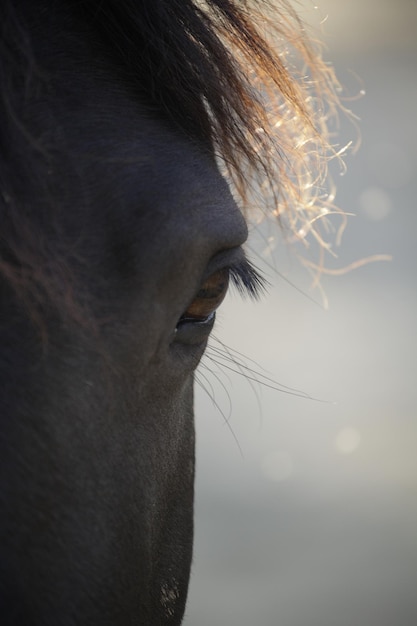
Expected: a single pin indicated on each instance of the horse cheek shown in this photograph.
(175, 540)
(164, 493)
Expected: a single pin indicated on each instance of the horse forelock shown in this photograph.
(204, 67)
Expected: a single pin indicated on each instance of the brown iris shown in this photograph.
(208, 299)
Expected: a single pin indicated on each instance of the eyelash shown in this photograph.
(247, 279)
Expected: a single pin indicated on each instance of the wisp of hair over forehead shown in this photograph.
(239, 76)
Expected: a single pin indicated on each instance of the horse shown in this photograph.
(120, 232)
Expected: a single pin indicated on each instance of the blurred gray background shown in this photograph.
(306, 511)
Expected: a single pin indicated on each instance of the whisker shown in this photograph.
(244, 370)
(221, 383)
(240, 366)
(217, 406)
(210, 391)
(232, 351)
(262, 376)
(275, 385)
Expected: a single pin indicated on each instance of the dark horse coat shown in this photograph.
(117, 238)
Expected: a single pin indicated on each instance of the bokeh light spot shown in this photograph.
(348, 441)
(375, 203)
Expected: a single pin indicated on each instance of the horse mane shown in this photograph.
(240, 76)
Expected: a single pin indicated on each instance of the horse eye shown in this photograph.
(208, 299)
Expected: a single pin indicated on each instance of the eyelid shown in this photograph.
(213, 290)
(245, 277)
(208, 298)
